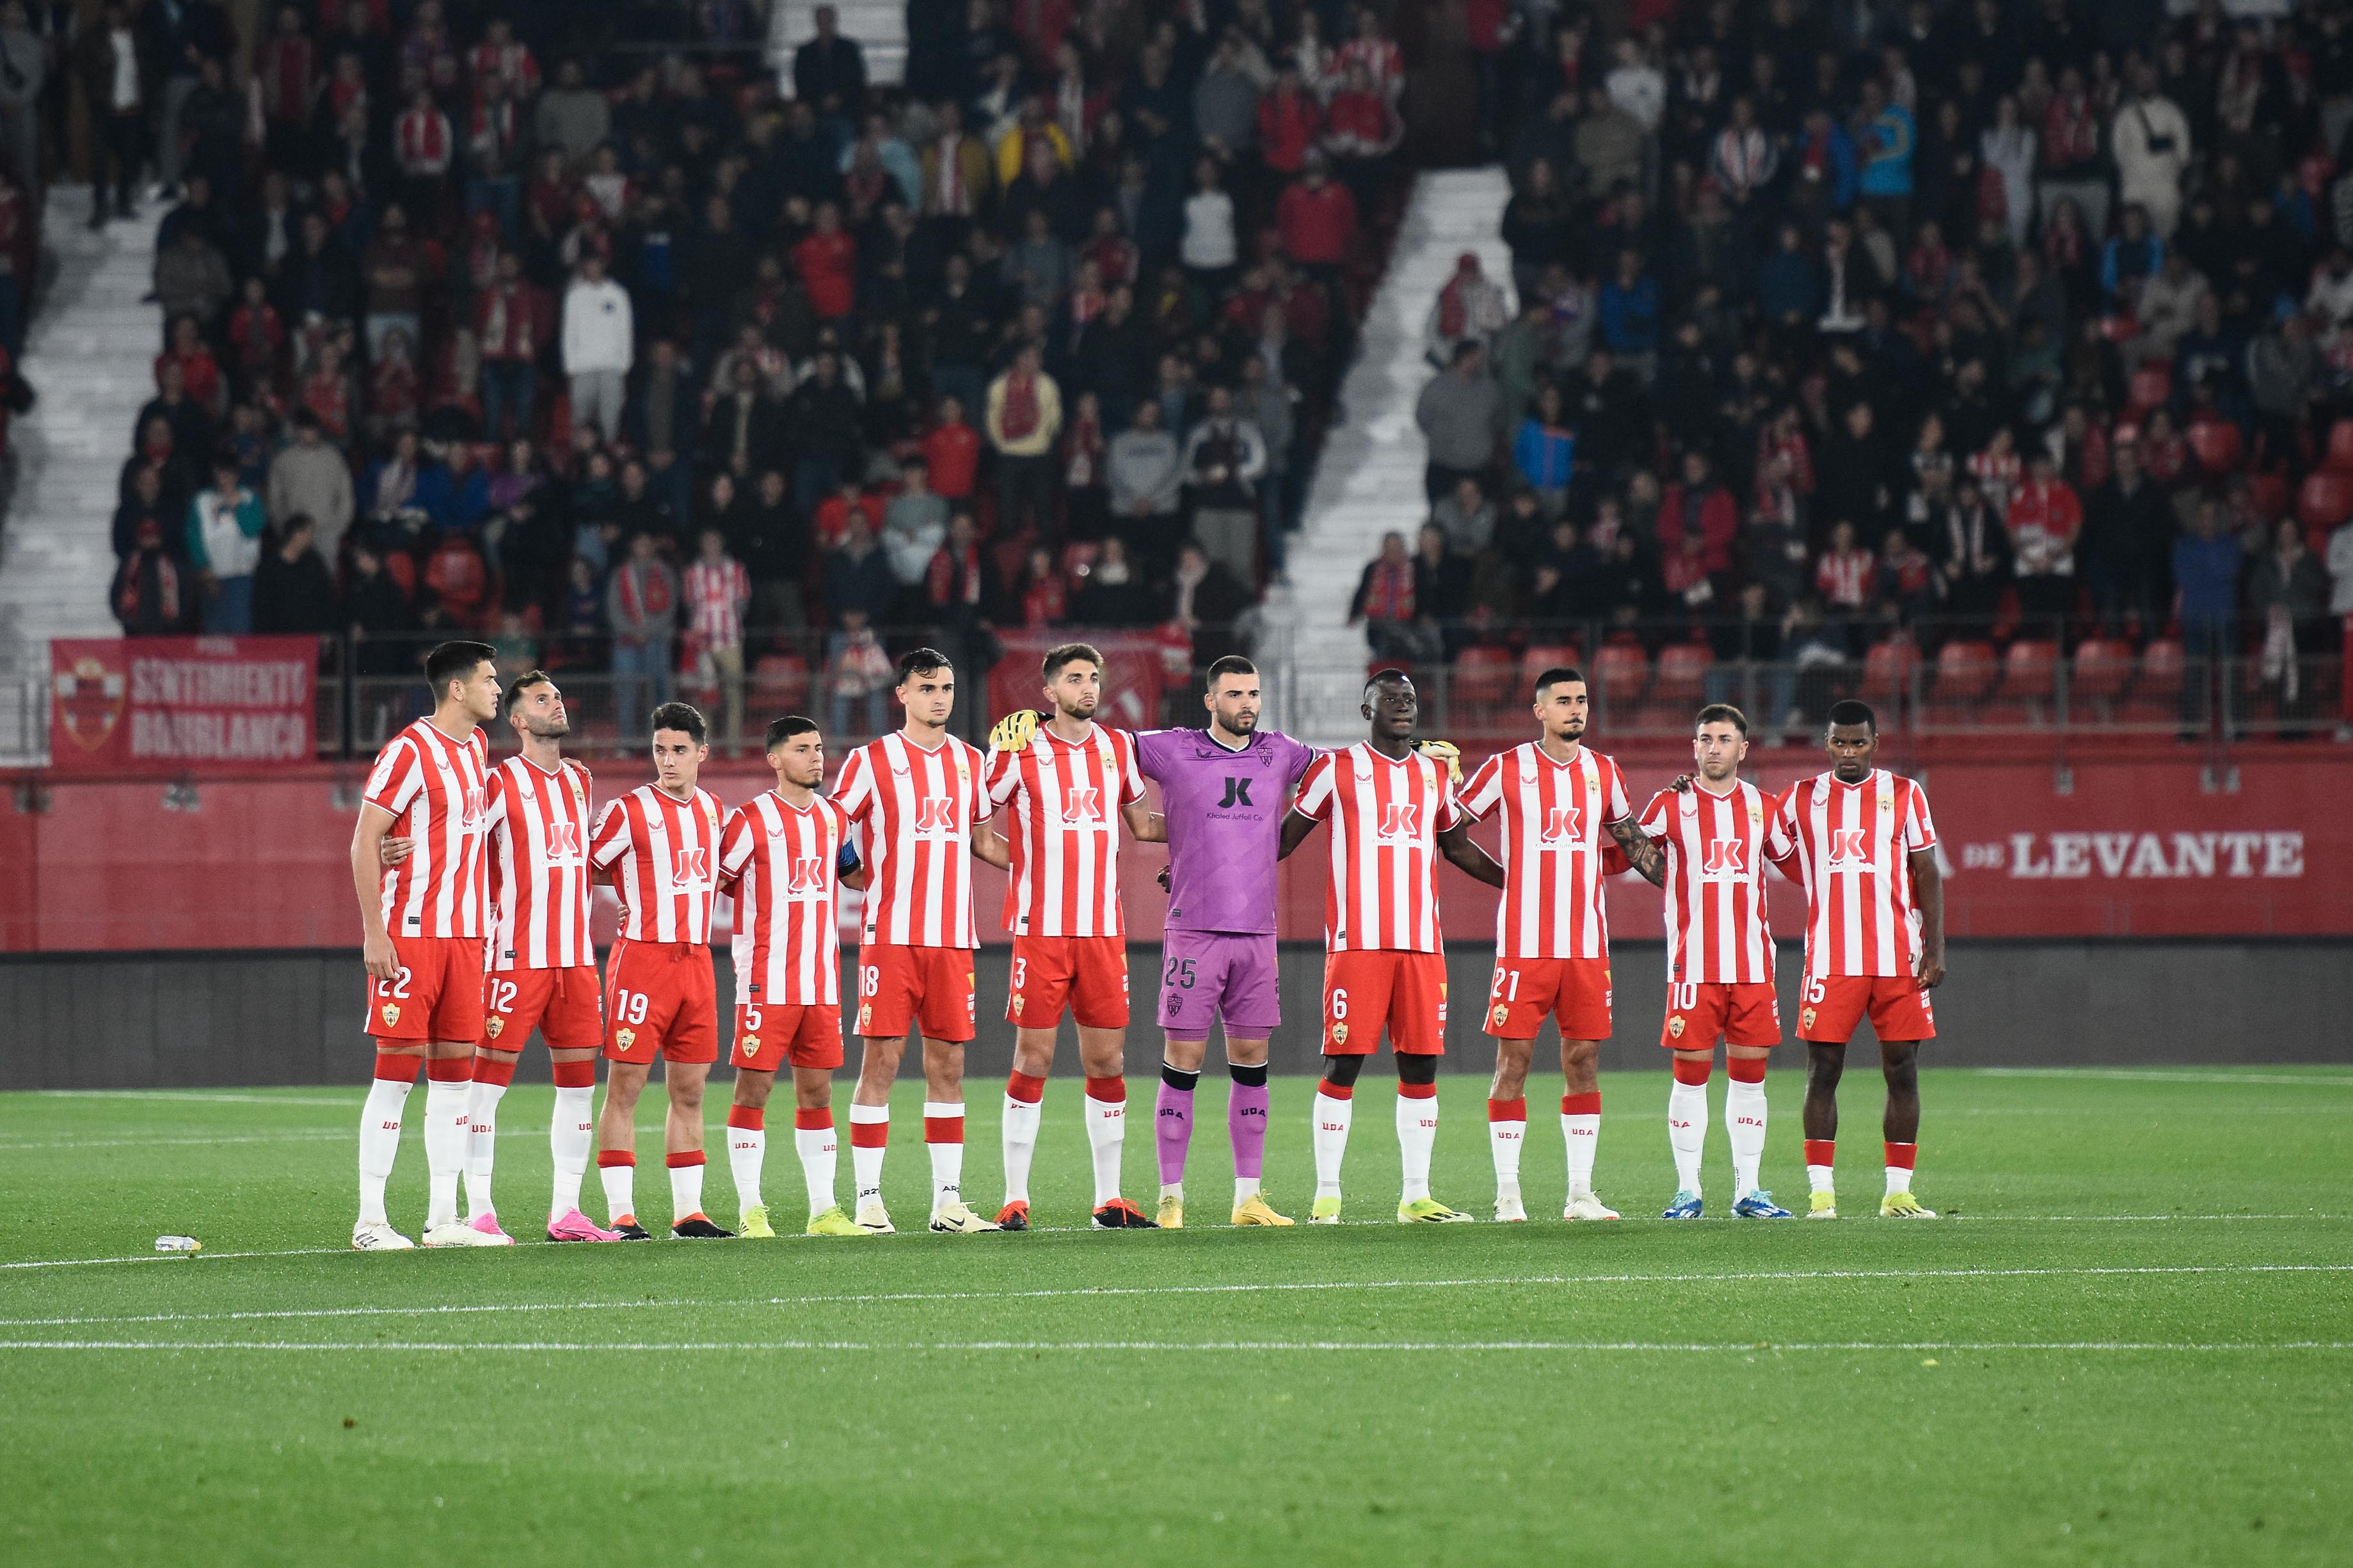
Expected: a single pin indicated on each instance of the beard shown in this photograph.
(548, 729)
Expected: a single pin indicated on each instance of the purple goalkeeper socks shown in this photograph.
(1173, 1122)
(1246, 1108)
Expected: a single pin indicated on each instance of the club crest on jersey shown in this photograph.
(494, 1026)
(689, 864)
(1017, 1003)
(1400, 819)
(750, 1044)
(624, 1038)
(1565, 822)
(1082, 803)
(935, 814)
(1847, 847)
(1502, 1014)
(1724, 858)
(1339, 1034)
(1806, 1019)
(1675, 1026)
(391, 1014)
(865, 1016)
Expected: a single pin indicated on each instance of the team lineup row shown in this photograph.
(474, 885)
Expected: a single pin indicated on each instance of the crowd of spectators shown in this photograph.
(1917, 319)
(652, 363)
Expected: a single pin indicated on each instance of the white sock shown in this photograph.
(817, 1147)
(685, 1191)
(1818, 1179)
(569, 1135)
(1417, 1131)
(1020, 1145)
(1581, 1132)
(445, 1148)
(620, 1199)
(379, 1142)
(1331, 1120)
(866, 1165)
(482, 1143)
(1245, 1189)
(1106, 1133)
(1687, 1131)
(1504, 1142)
(947, 1159)
(1744, 1124)
(747, 1148)
(1177, 1189)
(1899, 1179)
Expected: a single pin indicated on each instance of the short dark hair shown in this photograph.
(1390, 673)
(1850, 712)
(451, 661)
(1231, 664)
(1556, 675)
(1069, 653)
(785, 728)
(921, 661)
(683, 717)
(1723, 713)
(523, 683)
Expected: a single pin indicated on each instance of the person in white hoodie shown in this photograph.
(599, 345)
(225, 528)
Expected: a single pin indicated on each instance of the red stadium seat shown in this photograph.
(456, 574)
(2338, 458)
(1541, 656)
(1620, 671)
(781, 682)
(2151, 385)
(1481, 676)
(2030, 671)
(2327, 499)
(1888, 668)
(2217, 445)
(1965, 671)
(401, 567)
(2269, 492)
(2101, 669)
(1682, 678)
(2161, 665)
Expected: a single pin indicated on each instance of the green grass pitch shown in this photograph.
(2131, 1342)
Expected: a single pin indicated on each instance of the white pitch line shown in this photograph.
(2136, 1075)
(2308, 1218)
(1237, 1288)
(1242, 1346)
(350, 1102)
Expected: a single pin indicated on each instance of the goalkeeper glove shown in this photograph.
(1445, 752)
(1013, 732)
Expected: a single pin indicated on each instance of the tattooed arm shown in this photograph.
(1641, 850)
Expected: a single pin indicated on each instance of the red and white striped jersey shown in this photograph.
(1853, 844)
(1555, 816)
(437, 791)
(1385, 814)
(1065, 797)
(664, 853)
(781, 863)
(914, 811)
(715, 597)
(1714, 844)
(539, 867)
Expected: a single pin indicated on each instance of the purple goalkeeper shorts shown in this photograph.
(1207, 977)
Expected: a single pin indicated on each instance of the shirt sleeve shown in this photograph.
(494, 801)
(1003, 774)
(1616, 807)
(736, 843)
(1781, 837)
(1919, 827)
(1131, 776)
(1484, 791)
(1449, 809)
(611, 839)
(1149, 745)
(1657, 815)
(853, 789)
(399, 775)
(1316, 790)
(983, 808)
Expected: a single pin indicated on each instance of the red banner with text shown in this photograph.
(178, 705)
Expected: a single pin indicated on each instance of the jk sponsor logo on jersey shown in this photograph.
(1565, 824)
(1401, 820)
(936, 817)
(1723, 857)
(2141, 857)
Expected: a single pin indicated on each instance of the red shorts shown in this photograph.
(1574, 990)
(564, 1005)
(436, 995)
(1835, 1004)
(659, 998)
(769, 1035)
(1743, 1012)
(899, 988)
(1088, 973)
(1364, 992)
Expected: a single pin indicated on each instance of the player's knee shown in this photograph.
(1417, 1069)
(1340, 1072)
(752, 1087)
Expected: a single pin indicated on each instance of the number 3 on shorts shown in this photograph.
(1020, 972)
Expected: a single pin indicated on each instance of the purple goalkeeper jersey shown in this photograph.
(1225, 809)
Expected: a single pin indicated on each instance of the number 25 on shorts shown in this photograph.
(1179, 974)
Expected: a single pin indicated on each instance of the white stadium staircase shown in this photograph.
(88, 354)
(879, 27)
(1368, 480)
